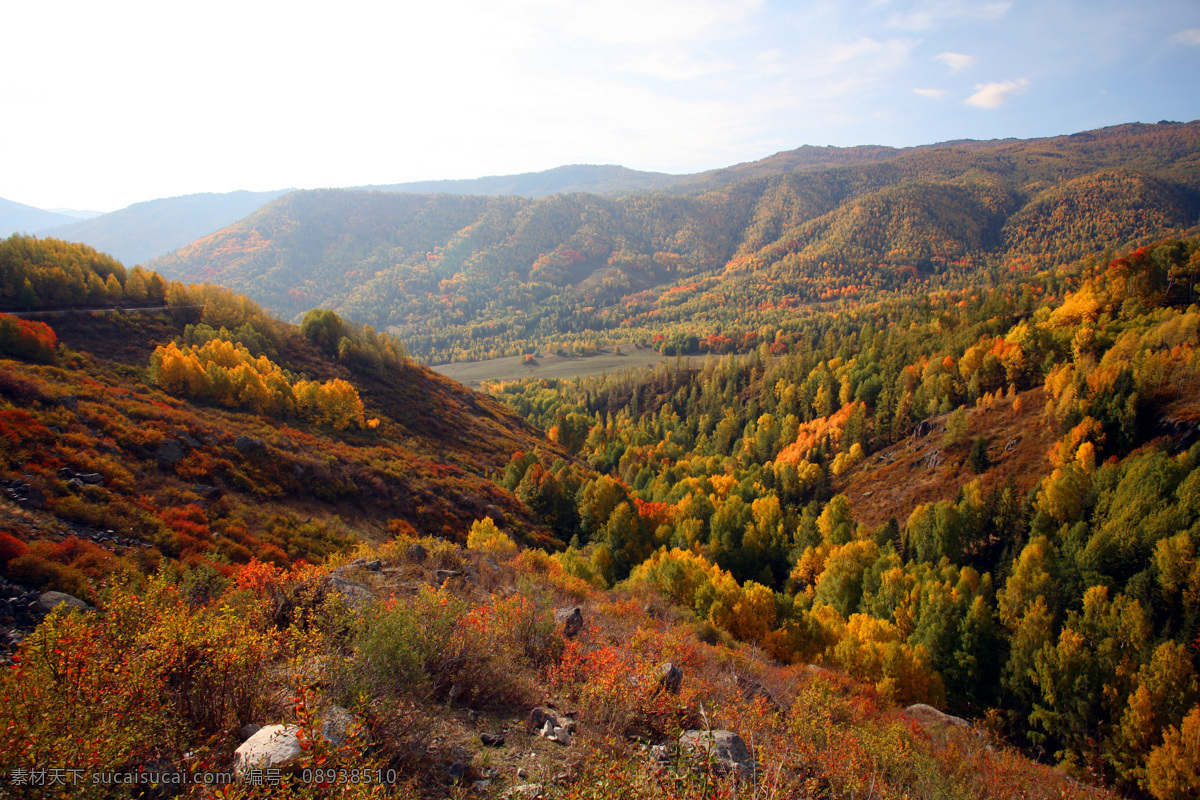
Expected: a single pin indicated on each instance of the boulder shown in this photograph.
(416, 553)
(48, 601)
(540, 715)
(555, 733)
(670, 678)
(929, 716)
(245, 445)
(273, 747)
(168, 455)
(491, 739)
(278, 746)
(356, 594)
(724, 750)
(337, 725)
(571, 619)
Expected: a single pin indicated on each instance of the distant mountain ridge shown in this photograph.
(590, 178)
(145, 230)
(19, 218)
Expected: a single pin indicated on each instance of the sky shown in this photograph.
(107, 104)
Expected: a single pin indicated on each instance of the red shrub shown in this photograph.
(10, 548)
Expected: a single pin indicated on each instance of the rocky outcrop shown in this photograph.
(724, 751)
(571, 620)
(670, 678)
(549, 725)
(929, 716)
(48, 601)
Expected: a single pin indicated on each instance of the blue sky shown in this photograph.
(110, 103)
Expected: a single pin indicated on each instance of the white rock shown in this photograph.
(273, 747)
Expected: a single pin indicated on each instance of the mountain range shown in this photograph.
(470, 276)
(153, 228)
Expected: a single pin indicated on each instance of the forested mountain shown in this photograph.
(151, 228)
(472, 277)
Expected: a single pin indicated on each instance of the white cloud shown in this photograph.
(995, 94)
(955, 61)
(934, 94)
(1189, 36)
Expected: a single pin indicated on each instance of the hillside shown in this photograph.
(280, 447)
(464, 278)
(979, 500)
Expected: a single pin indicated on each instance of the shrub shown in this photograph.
(485, 537)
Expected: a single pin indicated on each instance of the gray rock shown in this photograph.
(539, 716)
(571, 619)
(491, 739)
(417, 553)
(48, 601)
(337, 725)
(724, 750)
(930, 716)
(245, 445)
(168, 454)
(91, 478)
(273, 747)
(670, 678)
(70, 402)
(532, 791)
(187, 440)
(356, 594)
(207, 492)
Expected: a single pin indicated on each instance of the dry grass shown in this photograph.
(896, 480)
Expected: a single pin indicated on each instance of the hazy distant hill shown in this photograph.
(144, 230)
(20, 218)
(594, 179)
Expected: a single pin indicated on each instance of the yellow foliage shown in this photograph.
(812, 432)
(1173, 768)
(485, 537)
(1089, 430)
(226, 373)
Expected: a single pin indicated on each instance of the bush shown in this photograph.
(485, 537)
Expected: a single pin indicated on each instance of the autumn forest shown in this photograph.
(926, 433)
